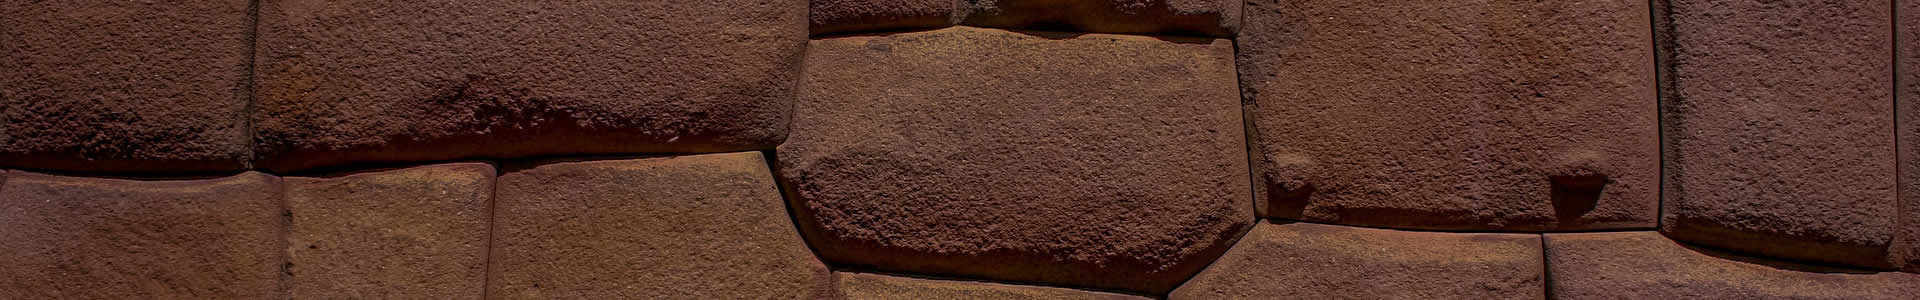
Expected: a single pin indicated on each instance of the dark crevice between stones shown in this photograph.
(1546, 267)
(1665, 102)
(251, 88)
(787, 199)
(1286, 220)
(486, 254)
(1780, 263)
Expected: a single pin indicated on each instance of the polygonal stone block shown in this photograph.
(417, 232)
(1644, 265)
(1312, 261)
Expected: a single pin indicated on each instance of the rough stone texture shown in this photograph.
(1905, 251)
(1644, 265)
(1311, 261)
(702, 227)
(1100, 161)
(1784, 138)
(87, 238)
(124, 86)
(873, 286)
(1451, 115)
(839, 16)
(444, 79)
(418, 232)
(1216, 18)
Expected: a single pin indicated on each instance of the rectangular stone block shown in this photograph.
(125, 86)
(1782, 128)
(417, 232)
(406, 81)
(1312, 261)
(696, 227)
(849, 16)
(1644, 265)
(1454, 115)
(90, 238)
(876, 286)
(1213, 18)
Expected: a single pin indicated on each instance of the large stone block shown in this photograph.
(838, 16)
(1454, 115)
(86, 238)
(124, 86)
(1783, 132)
(1906, 243)
(1311, 261)
(406, 81)
(1644, 265)
(1216, 18)
(1099, 161)
(418, 232)
(705, 227)
(874, 286)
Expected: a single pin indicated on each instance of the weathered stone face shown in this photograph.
(846, 16)
(444, 79)
(418, 232)
(705, 226)
(1215, 18)
(89, 238)
(1449, 115)
(123, 86)
(1905, 250)
(874, 286)
(1644, 265)
(1312, 261)
(1783, 129)
(1100, 161)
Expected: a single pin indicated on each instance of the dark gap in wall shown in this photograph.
(787, 198)
(486, 255)
(1782, 263)
(1659, 18)
(1546, 267)
(1285, 220)
(253, 101)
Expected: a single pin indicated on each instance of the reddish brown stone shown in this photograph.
(1449, 115)
(1216, 18)
(1644, 265)
(89, 238)
(1311, 261)
(703, 227)
(418, 232)
(1098, 161)
(403, 81)
(872, 286)
(1784, 129)
(1906, 237)
(836, 16)
(124, 86)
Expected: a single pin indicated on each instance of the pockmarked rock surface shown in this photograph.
(875, 286)
(1645, 265)
(1784, 129)
(88, 238)
(124, 86)
(417, 232)
(1905, 250)
(402, 81)
(1477, 115)
(848, 16)
(1214, 18)
(1312, 261)
(1096, 161)
(706, 226)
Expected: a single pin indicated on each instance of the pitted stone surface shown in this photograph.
(402, 81)
(1215, 18)
(1905, 250)
(124, 86)
(1784, 130)
(1312, 261)
(1644, 265)
(874, 286)
(1452, 115)
(840, 16)
(417, 232)
(1098, 161)
(702, 227)
(87, 238)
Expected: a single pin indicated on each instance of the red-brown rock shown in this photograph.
(88, 238)
(874, 286)
(418, 232)
(401, 81)
(1644, 265)
(838, 16)
(702, 227)
(1905, 250)
(124, 86)
(1216, 18)
(1783, 138)
(1099, 161)
(1449, 115)
(1311, 261)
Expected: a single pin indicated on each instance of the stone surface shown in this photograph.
(1095, 161)
(1215, 18)
(1905, 251)
(87, 238)
(1312, 261)
(124, 86)
(704, 227)
(401, 81)
(1784, 135)
(418, 232)
(1644, 265)
(1474, 115)
(874, 286)
(847, 16)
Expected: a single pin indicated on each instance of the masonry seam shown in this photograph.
(252, 88)
(493, 207)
